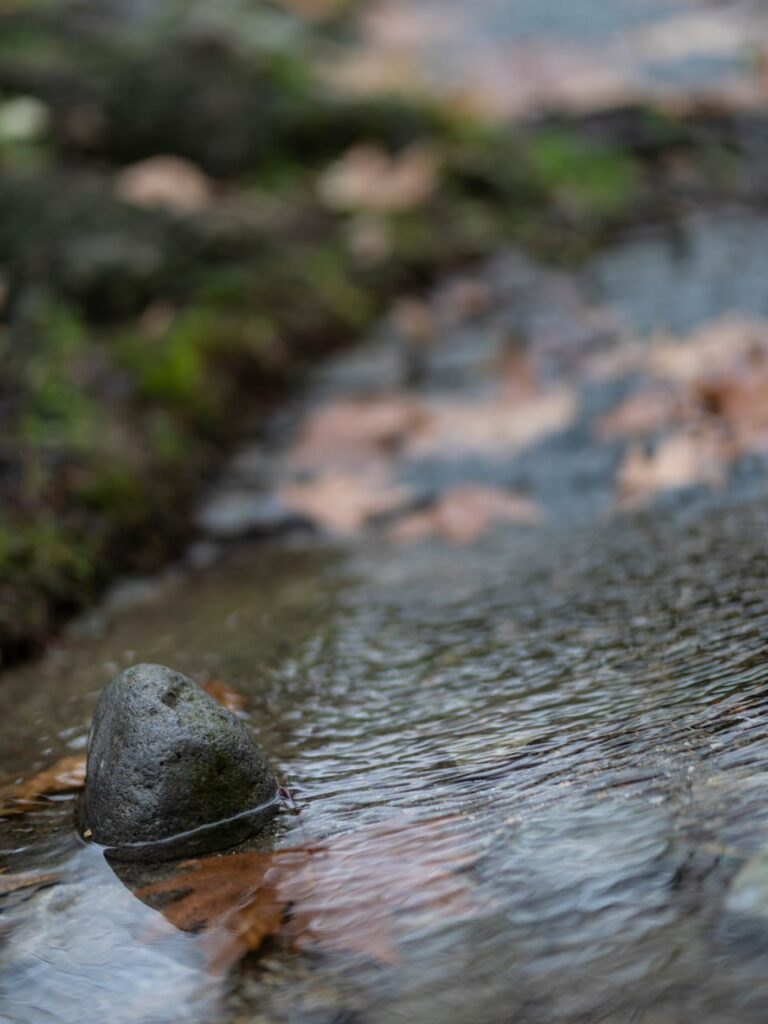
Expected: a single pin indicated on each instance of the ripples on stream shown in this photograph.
(592, 705)
(585, 705)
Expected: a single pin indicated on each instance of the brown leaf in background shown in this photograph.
(350, 432)
(467, 298)
(680, 460)
(164, 181)
(642, 413)
(66, 776)
(368, 178)
(740, 402)
(344, 502)
(496, 424)
(461, 515)
(719, 347)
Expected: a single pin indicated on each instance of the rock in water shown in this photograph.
(171, 772)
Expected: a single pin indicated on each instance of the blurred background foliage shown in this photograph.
(190, 214)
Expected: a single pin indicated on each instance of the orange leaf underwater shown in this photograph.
(353, 893)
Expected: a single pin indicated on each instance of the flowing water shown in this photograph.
(574, 713)
(565, 721)
(590, 705)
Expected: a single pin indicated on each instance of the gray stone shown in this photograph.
(170, 771)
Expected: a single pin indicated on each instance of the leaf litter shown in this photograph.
(702, 406)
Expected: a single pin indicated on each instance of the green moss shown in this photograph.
(585, 176)
(43, 567)
(58, 412)
(115, 492)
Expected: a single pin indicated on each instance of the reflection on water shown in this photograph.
(590, 705)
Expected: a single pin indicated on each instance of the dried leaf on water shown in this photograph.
(66, 776)
(680, 460)
(226, 695)
(642, 413)
(349, 894)
(344, 502)
(500, 423)
(721, 347)
(463, 514)
(351, 432)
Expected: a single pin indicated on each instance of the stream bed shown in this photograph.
(562, 722)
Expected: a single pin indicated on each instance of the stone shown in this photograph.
(171, 772)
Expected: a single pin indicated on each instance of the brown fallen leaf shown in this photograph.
(503, 424)
(164, 181)
(461, 515)
(643, 413)
(351, 432)
(12, 883)
(680, 460)
(226, 695)
(344, 502)
(356, 893)
(368, 178)
(719, 348)
(740, 402)
(66, 776)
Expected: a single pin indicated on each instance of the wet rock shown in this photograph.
(170, 771)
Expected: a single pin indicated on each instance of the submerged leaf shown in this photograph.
(681, 460)
(347, 894)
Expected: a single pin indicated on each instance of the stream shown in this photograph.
(562, 721)
(583, 700)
